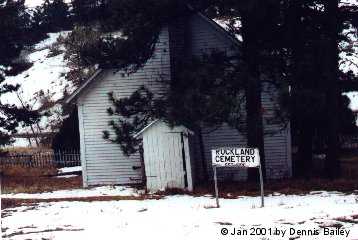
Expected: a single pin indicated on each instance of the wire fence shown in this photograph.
(63, 158)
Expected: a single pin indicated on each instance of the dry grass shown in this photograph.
(350, 166)
(27, 150)
(11, 184)
(227, 190)
(287, 186)
(34, 184)
(20, 171)
(16, 179)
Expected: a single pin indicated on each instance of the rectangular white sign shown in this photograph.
(236, 157)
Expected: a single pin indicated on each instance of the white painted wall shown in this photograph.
(103, 161)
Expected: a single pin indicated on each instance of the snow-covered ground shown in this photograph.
(76, 193)
(186, 217)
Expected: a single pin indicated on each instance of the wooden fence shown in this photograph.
(67, 158)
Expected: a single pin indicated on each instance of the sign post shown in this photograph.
(261, 187)
(236, 158)
(216, 188)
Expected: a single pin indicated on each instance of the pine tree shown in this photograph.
(12, 39)
(209, 81)
(284, 42)
(251, 51)
(315, 90)
(332, 164)
(54, 16)
(86, 12)
(137, 46)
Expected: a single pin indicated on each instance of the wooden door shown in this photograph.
(172, 168)
(164, 161)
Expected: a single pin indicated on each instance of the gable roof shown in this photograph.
(84, 85)
(138, 134)
(220, 29)
(96, 75)
(155, 122)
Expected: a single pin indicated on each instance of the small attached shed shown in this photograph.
(166, 156)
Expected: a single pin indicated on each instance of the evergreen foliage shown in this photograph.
(14, 27)
(53, 16)
(210, 82)
(285, 43)
(80, 44)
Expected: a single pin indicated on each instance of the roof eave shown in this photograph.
(76, 93)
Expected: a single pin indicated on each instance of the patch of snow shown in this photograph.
(33, 3)
(75, 193)
(36, 3)
(348, 3)
(353, 96)
(180, 217)
(67, 176)
(70, 169)
(225, 23)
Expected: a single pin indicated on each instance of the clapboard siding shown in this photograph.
(206, 37)
(103, 161)
(276, 137)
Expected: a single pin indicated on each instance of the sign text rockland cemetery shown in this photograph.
(236, 158)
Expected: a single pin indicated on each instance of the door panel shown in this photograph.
(172, 162)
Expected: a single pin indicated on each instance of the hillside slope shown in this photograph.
(42, 85)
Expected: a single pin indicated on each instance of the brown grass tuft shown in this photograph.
(20, 171)
(11, 184)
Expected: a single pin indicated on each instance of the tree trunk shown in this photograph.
(303, 165)
(202, 155)
(332, 164)
(254, 122)
(301, 125)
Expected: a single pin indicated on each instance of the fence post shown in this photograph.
(60, 157)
